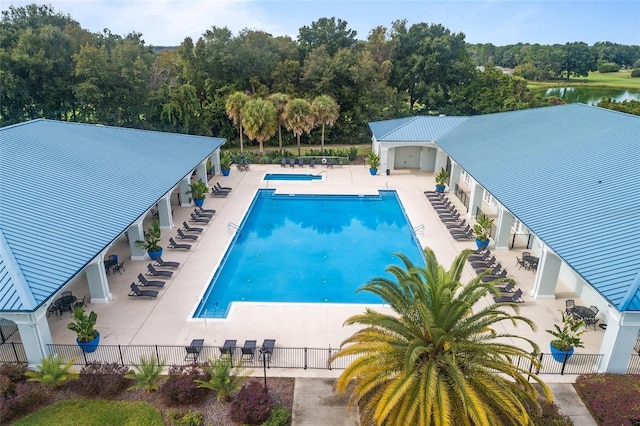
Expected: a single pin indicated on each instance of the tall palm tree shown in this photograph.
(234, 105)
(259, 120)
(279, 101)
(440, 359)
(298, 118)
(326, 111)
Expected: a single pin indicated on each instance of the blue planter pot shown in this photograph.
(373, 171)
(482, 245)
(226, 172)
(440, 188)
(560, 356)
(155, 254)
(199, 203)
(89, 346)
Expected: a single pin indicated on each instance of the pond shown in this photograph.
(590, 95)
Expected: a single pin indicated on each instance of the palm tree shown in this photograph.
(326, 111)
(234, 106)
(259, 120)
(440, 359)
(279, 100)
(298, 117)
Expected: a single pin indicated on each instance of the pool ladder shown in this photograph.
(419, 229)
(232, 226)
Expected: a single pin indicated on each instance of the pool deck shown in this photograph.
(166, 320)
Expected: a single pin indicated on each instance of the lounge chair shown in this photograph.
(450, 219)
(464, 230)
(184, 236)
(292, 162)
(481, 265)
(135, 291)
(202, 214)
(477, 256)
(200, 210)
(197, 219)
(164, 264)
(155, 273)
(249, 349)
(222, 188)
(515, 297)
(149, 283)
(312, 163)
(188, 228)
(456, 225)
(173, 244)
(487, 278)
(301, 162)
(228, 348)
(215, 192)
(193, 350)
(459, 237)
(283, 162)
(506, 288)
(267, 348)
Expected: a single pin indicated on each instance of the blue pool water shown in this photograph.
(291, 176)
(311, 249)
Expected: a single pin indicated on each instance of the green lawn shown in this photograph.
(96, 412)
(618, 80)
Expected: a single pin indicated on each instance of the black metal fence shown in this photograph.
(294, 358)
(7, 329)
(521, 241)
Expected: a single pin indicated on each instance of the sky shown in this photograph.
(500, 22)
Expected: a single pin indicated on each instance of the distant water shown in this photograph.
(591, 95)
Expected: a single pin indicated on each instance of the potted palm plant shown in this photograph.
(151, 242)
(374, 163)
(482, 231)
(441, 180)
(225, 163)
(566, 337)
(198, 191)
(84, 327)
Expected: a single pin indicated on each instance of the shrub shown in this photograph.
(252, 405)
(28, 397)
(102, 379)
(605, 67)
(635, 72)
(15, 372)
(353, 153)
(180, 387)
(52, 371)
(612, 399)
(223, 378)
(148, 374)
(191, 418)
(279, 416)
(6, 386)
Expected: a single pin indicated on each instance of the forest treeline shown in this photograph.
(53, 68)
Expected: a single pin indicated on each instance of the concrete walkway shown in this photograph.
(315, 404)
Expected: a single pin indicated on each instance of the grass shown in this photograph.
(615, 80)
(88, 412)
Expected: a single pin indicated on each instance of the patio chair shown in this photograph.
(207, 211)
(228, 348)
(215, 192)
(183, 236)
(135, 291)
(506, 288)
(478, 257)
(450, 219)
(490, 277)
(482, 265)
(193, 350)
(249, 350)
(515, 297)
(222, 188)
(520, 263)
(466, 236)
(164, 264)
(312, 163)
(197, 219)
(283, 162)
(301, 162)
(173, 244)
(80, 303)
(53, 307)
(202, 214)
(119, 268)
(267, 348)
(465, 230)
(149, 283)
(292, 162)
(156, 273)
(188, 228)
(568, 306)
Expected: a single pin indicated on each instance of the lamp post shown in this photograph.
(263, 354)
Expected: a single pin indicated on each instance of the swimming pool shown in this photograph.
(291, 176)
(310, 249)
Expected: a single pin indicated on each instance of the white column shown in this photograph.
(184, 187)
(34, 333)
(503, 229)
(619, 340)
(202, 171)
(97, 280)
(475, 198)
(164, 212)
(441, 161)
(136, 233)
(454, 176)
(384, 159)
(544, 286)
(215, 161)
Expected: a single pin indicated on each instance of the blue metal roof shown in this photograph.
(414, 129)
(571, 174)
(67, 190)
